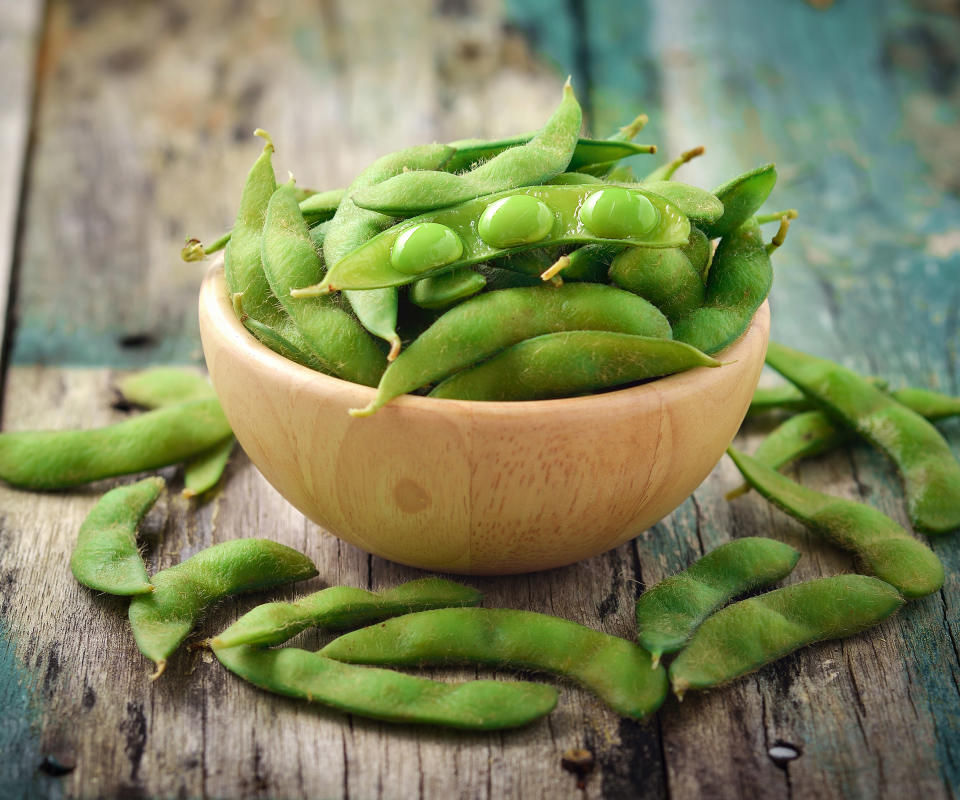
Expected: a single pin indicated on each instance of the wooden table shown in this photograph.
(127, 126)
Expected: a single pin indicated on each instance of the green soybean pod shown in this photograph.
(340, 608)
(387, 695)
(741, 197)
(662, 275)
(928, 403)
(60, 459)
(930, 471)
(787, 397)
(289, 259)
(161, 386)
(285, 340)
(481, 326)
(447, 289)
(106, 557)
(617, 671)
(699, 251)
(574, 179)
(164, 618)
(570, 363)
(351, 226)
(547, 154)
(503, 224)
(884, 548)
(739, 281)
(749, 634)
(669, 613)
(241, 259)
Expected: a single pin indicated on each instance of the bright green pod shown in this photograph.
(882, 546)
(669, 613)
(699, 251)
(746, 636)
(930, 471)
(287, 341)
(202, 472)
(106, 557)
(60, 459)
(162, 386)
(739, 281)
(787, 397)
(700, 206)
(516, 220)
(617, 671)
(370, 265)
(483, 325)
(573, 179)
(447, 289)
(290, 259)
(241, 260)
(387, 695)
(471, 152)
(425, 248)
(664, 276)
(342, 608)
(163, 619)
(547, 154)
(321, 206)
(570, 363)
(741, 198)
(928, 403)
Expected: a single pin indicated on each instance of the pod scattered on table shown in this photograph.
(617, 671)
(669, 613)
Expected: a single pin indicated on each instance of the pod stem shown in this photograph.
(685, 157)
(395, 345)
(193, 250)
(316, 290)
(790, 213)
(629, 132)
(268, 147)
(780, 236)
(555, 268)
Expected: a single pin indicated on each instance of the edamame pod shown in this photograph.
(241, 259)
(617, 671)
(662, 275)
(547, 154)
(106, 557)
(699, 251)
(340, 608)
(162, 386)
(741, 198)
(289, 259)
(570, 363)
(59, 459)
(387, 695)
(747, 635)
(351, 226)
(885, 549)
(487, 323)
(164, 618)
(739, 281)
(669, 613)
(787, 397)
(930, 471)
(497, 225)
(285, 340)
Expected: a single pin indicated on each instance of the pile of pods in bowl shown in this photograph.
(526, 268)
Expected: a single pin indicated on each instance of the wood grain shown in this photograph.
(142, 136)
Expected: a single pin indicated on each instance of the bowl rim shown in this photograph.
(215, 301)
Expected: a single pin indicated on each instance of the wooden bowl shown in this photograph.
(469, 487)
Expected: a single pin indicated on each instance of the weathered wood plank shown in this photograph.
(20, 25)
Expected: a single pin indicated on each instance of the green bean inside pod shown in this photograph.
(581, 214)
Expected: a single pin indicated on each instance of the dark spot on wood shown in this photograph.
(455, 8)
(782, 753)
(261, 782)
(52, 671)
(580, 762)
(241, 133)
(83, 11)
(8, 585)
(636, 768)
(611, 603)
(922, 50)
(122, 404)
(134, 341)
(134, 730)
(177, 19)
(57, 766)
(126, 60)
(89, 698)
(469, 50)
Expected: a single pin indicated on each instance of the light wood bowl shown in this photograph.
(469, 487)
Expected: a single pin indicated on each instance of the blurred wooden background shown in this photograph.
(126, 126)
